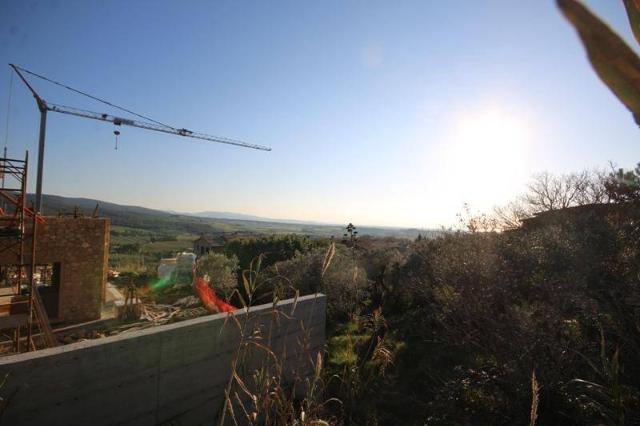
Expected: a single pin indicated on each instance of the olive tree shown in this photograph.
(219, 270)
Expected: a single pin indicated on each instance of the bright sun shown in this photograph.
(488, 156)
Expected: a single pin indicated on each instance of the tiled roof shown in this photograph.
(211, 240)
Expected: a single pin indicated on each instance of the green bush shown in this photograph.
(220, 271)
(344, 281)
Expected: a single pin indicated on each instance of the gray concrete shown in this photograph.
(173, 374)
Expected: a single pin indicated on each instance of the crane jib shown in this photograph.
(119, 121)
(151, 124)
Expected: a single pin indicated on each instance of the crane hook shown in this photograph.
(117, 133)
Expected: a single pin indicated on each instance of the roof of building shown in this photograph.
(583, 211)
(211, 240)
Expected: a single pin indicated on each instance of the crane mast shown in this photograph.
(45, 107)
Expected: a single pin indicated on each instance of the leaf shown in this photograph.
(241, 383)
(258, 263)
(613, 60)
(295, 301)
(318, 364)
(535, 399)
(327, 258)
(633, 12)
(246, 284)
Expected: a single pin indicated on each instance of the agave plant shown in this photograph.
(614, 61)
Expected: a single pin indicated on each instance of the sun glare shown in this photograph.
(488, 152)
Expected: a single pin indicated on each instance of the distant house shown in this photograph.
(209, 243)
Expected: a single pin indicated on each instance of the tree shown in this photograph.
(350, 238)
(220, 271)
(624, 185)
(548, 192)
(551, 192)
(273, 248)
(341, 279)
(511, 215)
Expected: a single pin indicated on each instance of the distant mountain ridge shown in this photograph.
(226, 215)
(160, 221)
(242, 216)
(57, 204)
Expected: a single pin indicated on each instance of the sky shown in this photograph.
(378, 112)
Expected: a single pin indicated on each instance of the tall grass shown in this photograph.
(535, 399)
(273, 384)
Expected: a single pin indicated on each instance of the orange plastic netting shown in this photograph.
(208, 297)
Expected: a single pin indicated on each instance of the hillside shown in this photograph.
(140, 236)
(163, 222)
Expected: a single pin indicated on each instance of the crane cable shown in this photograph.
(94, 98)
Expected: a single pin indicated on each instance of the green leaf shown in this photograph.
(246, 284)
(613, 60)
(258, 263)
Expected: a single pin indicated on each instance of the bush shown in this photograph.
(274, 248)
(344, 281)
(220, 271)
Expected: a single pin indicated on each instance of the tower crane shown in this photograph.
(147, 124)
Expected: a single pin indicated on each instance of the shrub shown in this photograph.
(343, 281)
(220, 271)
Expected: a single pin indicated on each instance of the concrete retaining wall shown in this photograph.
(171, 374)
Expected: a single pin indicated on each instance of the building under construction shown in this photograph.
(52, 270)
(55, 269)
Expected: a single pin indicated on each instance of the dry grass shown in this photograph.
(266, 386)
(535, 398)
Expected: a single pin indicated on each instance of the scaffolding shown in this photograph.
(21, 307)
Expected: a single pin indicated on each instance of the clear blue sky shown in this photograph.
(378, 112)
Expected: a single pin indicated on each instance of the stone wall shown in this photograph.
(81, 245)
(171, 374)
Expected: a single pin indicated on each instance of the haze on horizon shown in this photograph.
(378, 113)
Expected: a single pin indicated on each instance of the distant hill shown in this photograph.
(56, 204)
(227, 215)
(160, 221)
(242, 216)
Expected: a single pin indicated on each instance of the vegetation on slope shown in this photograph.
(458, 327)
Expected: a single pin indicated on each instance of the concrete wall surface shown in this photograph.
(171, 374)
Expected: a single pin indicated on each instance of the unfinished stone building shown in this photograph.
(71, 266)
(209, 244)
